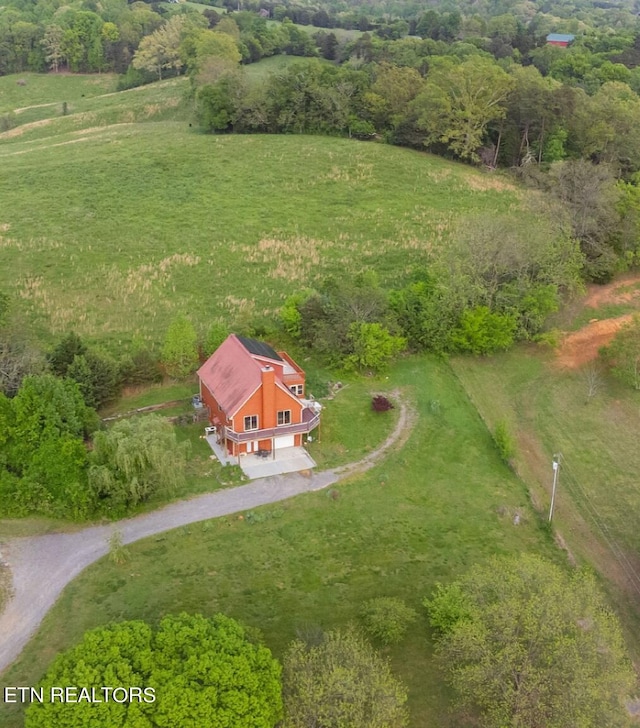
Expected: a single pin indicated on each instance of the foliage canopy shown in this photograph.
(203, 671)
(525, 644)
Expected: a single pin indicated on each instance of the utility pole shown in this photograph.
(556, 470)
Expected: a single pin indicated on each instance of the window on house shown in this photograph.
(251, 423)
(284, 417)
(297, 389)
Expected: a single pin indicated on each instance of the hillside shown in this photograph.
(113, 228)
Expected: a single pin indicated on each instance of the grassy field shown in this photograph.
(548, 411)
(442, 503)
(45, 124)
(114, 230)
(257, 72)
(341, 34)
(21, 92)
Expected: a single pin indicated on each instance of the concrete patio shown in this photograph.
(287, 460)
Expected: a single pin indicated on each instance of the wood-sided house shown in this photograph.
(256, 397)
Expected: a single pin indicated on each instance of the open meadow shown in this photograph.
(115, 229)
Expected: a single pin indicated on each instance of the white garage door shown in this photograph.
(284, 441)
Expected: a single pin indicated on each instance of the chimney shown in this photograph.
(268, 397)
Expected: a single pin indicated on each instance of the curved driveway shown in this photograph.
(42, 566)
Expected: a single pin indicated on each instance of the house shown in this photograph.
(256, 397)
(560, 39)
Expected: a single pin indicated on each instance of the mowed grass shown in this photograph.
(114, 230)
(20, 92)
(427, 513)
(160, 101)
(598, 500)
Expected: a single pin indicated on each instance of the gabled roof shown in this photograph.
(560, 38)
(233, 373)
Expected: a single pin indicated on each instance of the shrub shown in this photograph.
(142, 367)
(447, 608)
(623, 354)
(504, 442)
(482, 332)
(381, 404)
(373, 346)
(387, 619)
(118, 552)
(340, 681)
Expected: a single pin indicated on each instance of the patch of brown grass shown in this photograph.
(19, 130)
(489, 181)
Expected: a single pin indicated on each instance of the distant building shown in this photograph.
(264, 13)
(560, 39)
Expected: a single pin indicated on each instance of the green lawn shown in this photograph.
(598, 500)
(442, 503)
(114, 230)
(146, 396)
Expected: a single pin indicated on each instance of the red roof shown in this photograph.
(231, 374)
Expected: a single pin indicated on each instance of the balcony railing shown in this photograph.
(310, 421)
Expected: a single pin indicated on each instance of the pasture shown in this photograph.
(548, 410)
(22, 92)
(115, 228)
(431, 509)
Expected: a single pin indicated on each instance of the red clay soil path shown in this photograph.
(580, 347)
(598, 295)
(583, 346)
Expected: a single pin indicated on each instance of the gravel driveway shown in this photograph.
(43, 565)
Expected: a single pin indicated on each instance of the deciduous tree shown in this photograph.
(205, 672)
(525, 644)
(341, 682)
(160, 51)
(134, 459)
(180, 350)
(459, 102)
